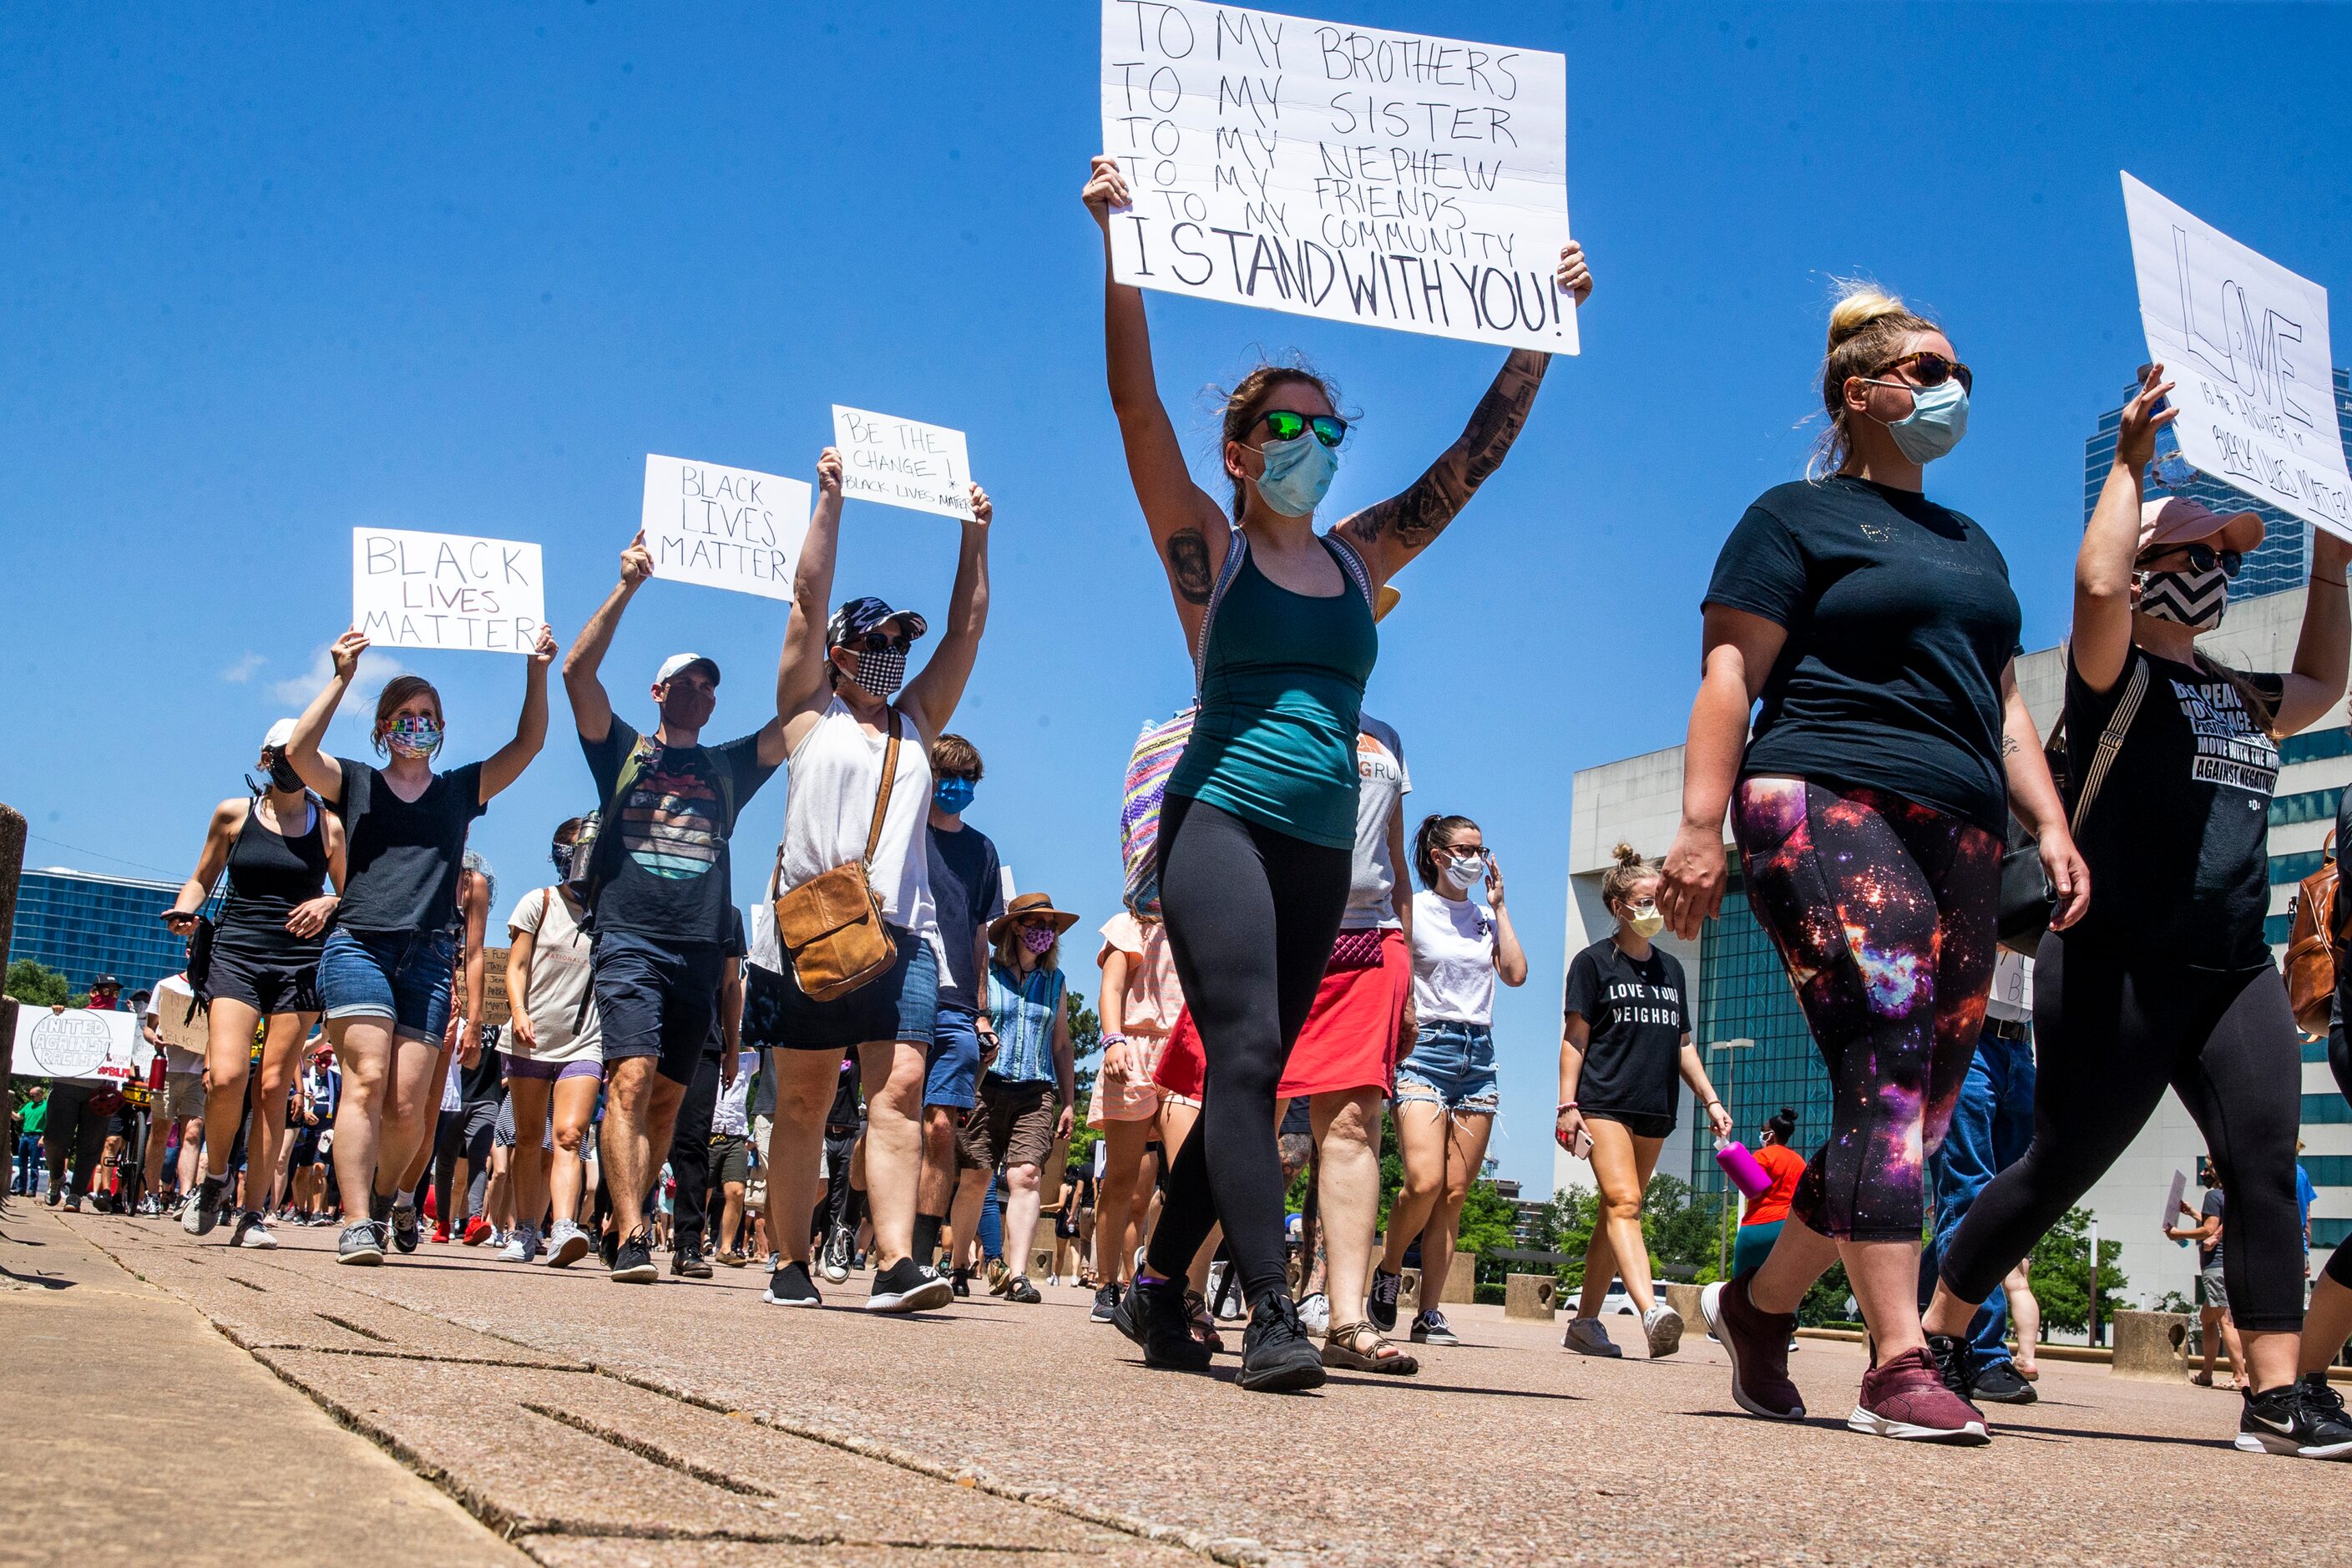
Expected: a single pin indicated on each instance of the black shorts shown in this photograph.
(268, 985)
(306, 1148)
(656, 1002)
(1640, 1123)
(901, 1005)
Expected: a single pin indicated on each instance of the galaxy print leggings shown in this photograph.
(1884, 912)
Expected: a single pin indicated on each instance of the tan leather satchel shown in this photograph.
(831, 926)
(2312, 948)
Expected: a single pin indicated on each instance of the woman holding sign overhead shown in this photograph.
(1260, 819)
(385, 972)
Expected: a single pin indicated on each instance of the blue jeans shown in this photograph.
(1452, 1065)
(1991, 1127)
(401, 976)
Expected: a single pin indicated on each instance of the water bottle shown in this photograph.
(1742, 1167)
(2171, 470)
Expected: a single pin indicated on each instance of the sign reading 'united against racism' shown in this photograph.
(1347, 173)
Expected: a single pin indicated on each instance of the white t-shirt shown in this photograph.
(2012, 988)
(1453, 960)
(829, 810)
(732, 1112)
(1380, 766)
(559, 981)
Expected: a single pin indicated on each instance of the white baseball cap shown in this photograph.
(676, 662)
(280, 734)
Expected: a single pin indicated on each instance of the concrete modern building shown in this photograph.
(1746, 1018)
(88, 925)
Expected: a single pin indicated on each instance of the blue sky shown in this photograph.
(272, 274)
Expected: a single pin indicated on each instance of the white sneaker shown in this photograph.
(522, 1245)
(1664, 1325)
(568, 1245)
(1585, 1336)
(252, 1230)
(1315, 1313)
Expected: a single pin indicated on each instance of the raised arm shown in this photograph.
(592, 705)
(1390, 533)
(1189, 529)
(2102, 566)
(506, 764)
(802, 685)
(932, 696)
(2317, 678)
(227, 817)
(1740, 649)
(321, 771)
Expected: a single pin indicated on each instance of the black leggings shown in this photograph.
(2111, 1030)
(1252, 914)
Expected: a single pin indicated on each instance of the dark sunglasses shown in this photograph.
(874, 642)
(2204, 558)
(1930, 369)
(1284, 425)
(958, 777)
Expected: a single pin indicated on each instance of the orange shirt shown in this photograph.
(1785, 1165)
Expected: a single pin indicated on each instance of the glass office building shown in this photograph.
(90, 925)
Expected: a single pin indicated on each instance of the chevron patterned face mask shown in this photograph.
(2193, 599)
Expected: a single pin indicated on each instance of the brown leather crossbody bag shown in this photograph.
(831, 926)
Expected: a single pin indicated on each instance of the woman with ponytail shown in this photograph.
(1759, 1226)
(1870, 802)
(1625, 1050)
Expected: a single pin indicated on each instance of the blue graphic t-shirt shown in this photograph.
(672, 882)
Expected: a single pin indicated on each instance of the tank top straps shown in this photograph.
(269, 874)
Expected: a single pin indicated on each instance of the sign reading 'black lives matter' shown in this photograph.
(1342, 171)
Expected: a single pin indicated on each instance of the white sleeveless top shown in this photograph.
(829, 809)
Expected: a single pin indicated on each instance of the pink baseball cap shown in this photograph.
(2178, 520)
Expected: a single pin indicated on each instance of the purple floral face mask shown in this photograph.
(1037, 939)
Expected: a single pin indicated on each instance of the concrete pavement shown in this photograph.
(593, 1423)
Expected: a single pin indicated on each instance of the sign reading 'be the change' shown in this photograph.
(902, 462)
(1347, 173)
(447, 591)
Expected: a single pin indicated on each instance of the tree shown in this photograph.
(1086, 1044)
(2061, 1274)
(1826, 1302)
(1682, 1228)
(1565, 1226)
(36, 984)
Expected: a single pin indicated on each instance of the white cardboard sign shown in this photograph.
(2246, 341)
(1348, 173)
(447, 591)
(80, 1043)
(724, 528)
(902, 462)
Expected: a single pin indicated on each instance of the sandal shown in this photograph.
(1342, 1348)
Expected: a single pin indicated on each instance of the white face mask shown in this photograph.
(1470, 872)
(1645, 921)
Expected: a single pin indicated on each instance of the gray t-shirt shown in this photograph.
(2210, 1257)
(1380, 766)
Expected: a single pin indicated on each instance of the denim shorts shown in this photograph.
(899, 1005)
(401, 976)
(1452, 1066)
(953, 1075)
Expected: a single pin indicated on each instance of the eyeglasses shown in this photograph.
(874, 642)
(1929, 369)
(1285, 424)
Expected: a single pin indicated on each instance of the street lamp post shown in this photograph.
(1723, 1229)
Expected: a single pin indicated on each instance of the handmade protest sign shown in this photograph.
(447, 591)
(79, 1044)
(724, 528)
(902, 462)
(1336, 170)
(2246, 341)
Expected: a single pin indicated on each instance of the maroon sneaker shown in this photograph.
(1757, 1343)
(1906, 1398)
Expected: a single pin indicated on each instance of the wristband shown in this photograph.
(1565, 1106)
(1114, 1039)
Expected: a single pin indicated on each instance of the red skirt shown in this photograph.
(1349, 1039)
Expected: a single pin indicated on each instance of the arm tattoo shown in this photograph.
(1421, 511)
(2009, 746)
(1188, 564)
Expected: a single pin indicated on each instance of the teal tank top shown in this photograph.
(1282, 685)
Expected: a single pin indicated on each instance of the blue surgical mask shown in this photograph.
(1297, 473)
(1938, 419)
(951, 795)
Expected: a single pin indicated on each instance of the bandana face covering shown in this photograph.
(413, 737)
(881, 672)
(2192, 599)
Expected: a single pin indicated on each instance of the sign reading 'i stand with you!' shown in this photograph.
(447, 591)
(2245, 342)
(1347, 173)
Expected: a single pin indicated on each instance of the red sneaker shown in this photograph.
(1906, 1398)
(440, 1233)
(478, 1231)
(1757, 1344)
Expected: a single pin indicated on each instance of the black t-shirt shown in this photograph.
(2177, 836)
(1638, 1015)
(846, 1110)
(478, 1084)
(670, 881)
(968, 888)
(1900, 621)
(401, 857)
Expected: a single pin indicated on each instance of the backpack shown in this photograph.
(2315, 945)
(1159, 747)
(595, 855)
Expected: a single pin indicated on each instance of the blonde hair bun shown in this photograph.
(1625, 855)
(1629, 872)
(1859, 303)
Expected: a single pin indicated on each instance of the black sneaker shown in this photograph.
(404, 1232)
(791, 1286)
(201, 1211)
(961, 1282)
(2304, 1419)
(1950, 1355)
(633, 1262)
(2000, 1384)
(1105, 1304)
(1279, 1356)
(689, 1264)
(1380, 1305)
(361, 1243)
(253, 1230)
(1430, 1328)
(1152, 1313)
(908, 1285)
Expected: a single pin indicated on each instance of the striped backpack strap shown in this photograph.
(1353, 564)
(1236, 547)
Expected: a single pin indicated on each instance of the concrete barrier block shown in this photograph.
(1530, 1296)
(1684, 1299)
(2151, 1346)
(1041, 1261)
(1409, 1295)
(1462, 1280)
